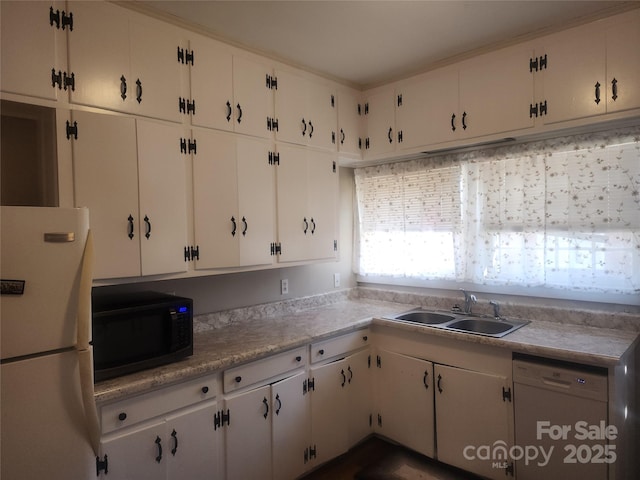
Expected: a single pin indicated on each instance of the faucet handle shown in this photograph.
(496, 308)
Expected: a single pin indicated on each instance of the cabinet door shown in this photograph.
(292, 203)
(212, 84)
(470, 411)
(163, 199)
(192, 444)
(256, 201)
(405, 396)
(496, 90)
(322, 192)
(100, 31)
(248, 435)
(291, 428)
(253, 99)
(360, 395)
(380, 121)
(321, 105)
(106, 181)
(329, 411)
(141, 453)
(215, 200)
(623, 63)
(574, 75)
(27, 70)
(156, 81)
(429, 113)
(349, 123)
(291, 108)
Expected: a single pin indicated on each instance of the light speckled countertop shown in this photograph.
(227, 339)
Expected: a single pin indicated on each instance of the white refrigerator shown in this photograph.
(48, 421)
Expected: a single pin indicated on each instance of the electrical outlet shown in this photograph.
(336, 280)
(284, 286)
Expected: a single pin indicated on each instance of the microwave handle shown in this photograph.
(83, 347)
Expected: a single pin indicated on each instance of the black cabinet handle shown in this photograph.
(304, 130)
(205, 389)
(228, 112)
(342, 137)
(390, 135)
(266, 406)
(321, 351)
(174, 435)
(453, 122)
(235, 227)
(158, 442)
(138, 91)
(424, 379)
(313, 226)
(123, 87)
(350, 373)
(245, 226)
(311, 129)
(147, 222)
(439, 380)
(122, 417)
(306, 225)
(279, 403)
(614, 89)
(238, 379)
(239, 113)
(597, 86)
(344, 378)
(130, 227)
(464, 120)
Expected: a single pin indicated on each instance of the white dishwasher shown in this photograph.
(561, 421)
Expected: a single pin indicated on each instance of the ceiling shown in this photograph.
(365, 43)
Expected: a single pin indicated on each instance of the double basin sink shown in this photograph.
(492, 327)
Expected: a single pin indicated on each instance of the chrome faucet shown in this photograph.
(469, 300)
(496, 308)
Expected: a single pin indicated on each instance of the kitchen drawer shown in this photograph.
(340, 345)
(263, 370)
(157, 403)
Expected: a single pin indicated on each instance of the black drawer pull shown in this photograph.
(205, 389)
(365, 338)
(321, 351)
(298, 358)
(238, 379)
(122, 417)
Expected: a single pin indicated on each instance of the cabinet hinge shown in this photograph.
(333, 138)
(538, 63)
(333, 101)
(56, 78)
(220, 417)
(191, 253)
(537, 109)
(366, 108)
(186, 106)
(399, 100)
(359, 109)
(185, 56)
(371, 420)
(192, 147)
(72, 130)
(369, 361)
(399, 136)
(274, 158)
(54, 17)
(379, 420)
(183, 145)
(69, 81)
(271, 82)
(366, 143)
(335, 245)
(102, 465)
(272, 124)
(359, 143)
(308, 385)
(276, 249)
(378, 361)
(506, 394)
(67, 21)
(335, 167)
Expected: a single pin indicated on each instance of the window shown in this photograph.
(560, 214)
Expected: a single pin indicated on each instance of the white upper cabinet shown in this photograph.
(212, 84)
(252, 97)
(33, 38)
(305, 111)
(623, 63)
(349, 123)
(379, 117)
(234, 200)
(122, 63)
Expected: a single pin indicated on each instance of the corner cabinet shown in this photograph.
(234, 200)
(307, 204)
(132, 176)
(40, 29)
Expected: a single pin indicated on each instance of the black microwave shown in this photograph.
(136, 331)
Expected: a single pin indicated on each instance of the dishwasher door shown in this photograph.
(561, 422)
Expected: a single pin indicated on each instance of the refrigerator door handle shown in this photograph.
(85, 351)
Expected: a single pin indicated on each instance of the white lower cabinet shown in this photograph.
(404, 389)
(167, 434)
(472, 415)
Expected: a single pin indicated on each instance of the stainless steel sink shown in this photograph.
(425, 316)
(492, 327)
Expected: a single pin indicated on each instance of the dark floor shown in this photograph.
(376, 459)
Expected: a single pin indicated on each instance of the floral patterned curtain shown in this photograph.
(561, 213)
